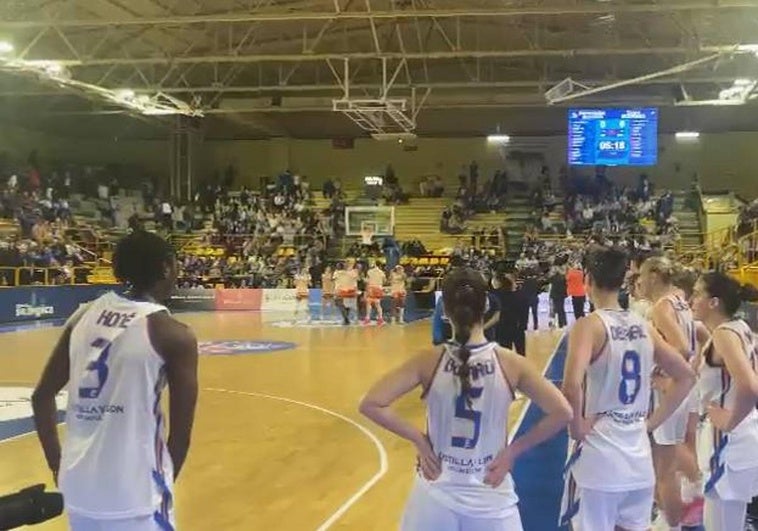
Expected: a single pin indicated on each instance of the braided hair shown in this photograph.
(464, 296)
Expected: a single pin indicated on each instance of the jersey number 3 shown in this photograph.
(100, 369)
(463, 411)
(631, 378)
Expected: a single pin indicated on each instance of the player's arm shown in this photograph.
(558, 412)
(581, 347)
(743, 380)
(177, 346)
(376, 404)
(664, 319)
(680, 372)
(54, 377)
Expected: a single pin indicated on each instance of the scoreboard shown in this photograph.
(613, 137)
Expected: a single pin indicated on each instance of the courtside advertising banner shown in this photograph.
(278, 300)
(192, 300)
(238, 299)
(38, 303)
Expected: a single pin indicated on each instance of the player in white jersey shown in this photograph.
(327, 292)
(115, 470)
(398, 291)
(464, 458)
(609, 474)
(302, 292)
(671, 316)
(728, 387)
(375, 280)
(346, 287)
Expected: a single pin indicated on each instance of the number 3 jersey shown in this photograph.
(115, 463)
(468, 434)
(615, 456)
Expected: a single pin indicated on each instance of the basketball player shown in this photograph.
(728, 387)
(327, 291)
(375, 280)
(398, 280)
(464, 459)
(609, 475)
(346, 284)
(116, 355)
(672, 318)
(302, 292)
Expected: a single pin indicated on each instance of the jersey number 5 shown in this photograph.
(631, 378)
(99, 367)
(463, 411)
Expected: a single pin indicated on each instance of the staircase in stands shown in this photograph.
(690, 224)
(518, 215)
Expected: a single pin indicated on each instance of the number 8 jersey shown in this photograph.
(615, 456)
(468, 434)
(114, 463)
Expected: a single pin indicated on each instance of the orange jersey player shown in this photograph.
(346, 286)
(302, 290)
(398, 281)
(327, 291)
(375, 279)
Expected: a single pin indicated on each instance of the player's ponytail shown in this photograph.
(463, 320)
(464, 295)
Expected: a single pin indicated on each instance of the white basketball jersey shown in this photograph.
(685, 320)
(738, 448)
(615, 456)
(468, 436)
(115, 463)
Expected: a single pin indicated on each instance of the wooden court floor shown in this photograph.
(278, 442)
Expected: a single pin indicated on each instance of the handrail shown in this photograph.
(12, 276)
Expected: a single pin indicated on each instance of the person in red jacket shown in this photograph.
(575, 288)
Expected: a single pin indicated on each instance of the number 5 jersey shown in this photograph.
(115, 463)
(468, 432)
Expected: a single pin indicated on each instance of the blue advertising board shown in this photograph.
(37, 303)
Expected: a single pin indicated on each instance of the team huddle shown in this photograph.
(659, 401)
(347, 284)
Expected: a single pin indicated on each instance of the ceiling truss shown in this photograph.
(254, 56)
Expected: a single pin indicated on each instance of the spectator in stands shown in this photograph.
(328, 189)
(644, 188)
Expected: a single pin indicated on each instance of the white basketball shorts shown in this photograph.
(140, 523)
(603, 511)
(424, 513)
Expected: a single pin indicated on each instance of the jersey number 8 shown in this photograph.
(631, 378)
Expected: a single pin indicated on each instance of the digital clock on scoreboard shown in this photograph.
(613, 137)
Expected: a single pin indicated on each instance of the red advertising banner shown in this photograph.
(238, 299)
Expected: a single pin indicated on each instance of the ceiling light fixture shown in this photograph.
(687, 135)
(498, 139)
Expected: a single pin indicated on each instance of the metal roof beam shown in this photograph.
(589, 9)
(464, 85)
(426, 55)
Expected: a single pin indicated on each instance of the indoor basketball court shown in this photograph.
(278, 441)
